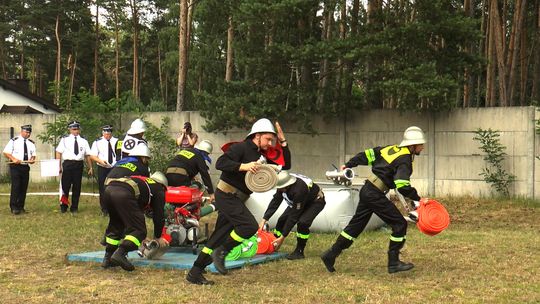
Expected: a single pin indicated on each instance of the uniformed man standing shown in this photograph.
(188, 162)
(127, 199)
(72, 151)
(134, 137)
(103, 153)
(20, 151)
(235, 222)
(305, 201)
(391, 169)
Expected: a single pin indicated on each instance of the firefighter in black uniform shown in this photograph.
(134, 164)
(305, 201)
(20, 151)
(391, 169)
(127, 199)
(187, 163)
(235, 222)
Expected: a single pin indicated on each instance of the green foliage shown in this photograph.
(162, 146)
(494, 173)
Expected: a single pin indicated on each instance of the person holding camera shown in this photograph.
(187, 138)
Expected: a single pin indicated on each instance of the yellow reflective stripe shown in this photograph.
(133, 240)
(302, 236)
(390, 153)
(236, 237)
(207, 250)
(119, 144)
(129, 166)
(347, 236)
(185, 153)
(401, 183)
(277, 232)
(114, 242)
(370, 154)
(397, 239)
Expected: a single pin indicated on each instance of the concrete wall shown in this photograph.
(449, 165)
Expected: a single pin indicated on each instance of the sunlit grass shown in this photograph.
(489, 254)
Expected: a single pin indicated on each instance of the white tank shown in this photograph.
(340, 206)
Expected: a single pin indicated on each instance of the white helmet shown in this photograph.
(206, 146)
(160, 178)
(137, 126)
(285, 179)
(262, 125)
(140, 150)
(413, 136)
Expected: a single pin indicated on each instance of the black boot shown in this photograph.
(107, 262)
(218, 257)
(298, 253)
(195, 276)
(329, 257)
(395, 265)
(119, 257)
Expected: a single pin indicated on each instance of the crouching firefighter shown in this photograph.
(305, 201)
(187, 163)
(391, 169)
(127, 199)
(235, 222)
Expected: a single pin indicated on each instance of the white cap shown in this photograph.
(262, 125)
(413, 136)
(140, 150)
(285, 179)
(137, 126)
(160, 178)
(206, 146)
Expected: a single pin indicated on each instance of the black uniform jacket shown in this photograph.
(194, 163)
(128, 166)
(392, 164)
(297, 196)
(241, 153)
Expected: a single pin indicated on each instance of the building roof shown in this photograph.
(7, 85)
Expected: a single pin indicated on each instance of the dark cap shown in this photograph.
(27, 128)
(107, 128)
(74, 125)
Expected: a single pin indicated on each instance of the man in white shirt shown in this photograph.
(21, 151)
(71, 152)
(103, 153)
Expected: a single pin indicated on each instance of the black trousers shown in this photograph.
(72, 176)
(102, 174)
(176, 180)
(306, 218)
(19, 185)
(372, 200)
(232, 215)
(126, 218)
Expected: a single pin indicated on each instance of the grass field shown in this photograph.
(489, 254)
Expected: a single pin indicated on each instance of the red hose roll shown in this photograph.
(432, 217)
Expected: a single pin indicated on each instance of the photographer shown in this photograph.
(187, 139)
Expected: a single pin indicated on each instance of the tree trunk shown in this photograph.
(182, 56)
(230, 51)
(500, 48)
(57, 76)
(535, 93)
(325, 37)
(467, 81)
(341, 61)
(135, 22)
(374, 96)
(490, 55)
(116, 56)
(482, 52)
(348, 73)
(513, 50)
(72, 66)
(96, 50)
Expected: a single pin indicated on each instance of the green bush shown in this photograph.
(494, 174)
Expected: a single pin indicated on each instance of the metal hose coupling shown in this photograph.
(343, 177)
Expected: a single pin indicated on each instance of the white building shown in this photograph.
(15, 98)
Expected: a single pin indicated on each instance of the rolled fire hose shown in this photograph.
(265, 179)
